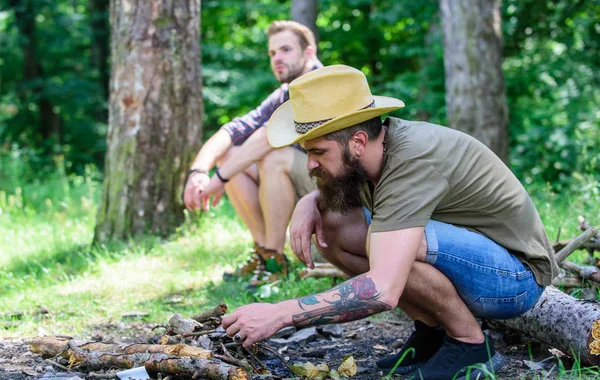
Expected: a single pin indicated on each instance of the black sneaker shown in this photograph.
(425, 341)
(458, 360)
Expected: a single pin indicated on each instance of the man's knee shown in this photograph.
(277, 159)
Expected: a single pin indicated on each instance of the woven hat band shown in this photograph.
(302, 128)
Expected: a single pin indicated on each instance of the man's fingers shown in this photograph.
(319, 235)
(216, 200)
(306, 252)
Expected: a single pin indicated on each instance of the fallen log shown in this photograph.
(51, 346)
(564, 322)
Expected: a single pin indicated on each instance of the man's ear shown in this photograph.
(358, 142)
(310, 52)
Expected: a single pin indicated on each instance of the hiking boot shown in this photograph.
(459, 360)
(421, 345)
(252, 266)
(275, 268)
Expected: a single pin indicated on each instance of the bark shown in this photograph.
(155, 116)
(475, 93)
(563, 322)
(305, 12)
(51, 346)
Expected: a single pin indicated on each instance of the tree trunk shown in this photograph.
(475, 94)
(155, 116)
(563, 322)
(305, 12)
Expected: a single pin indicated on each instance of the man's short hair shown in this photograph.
(304, 34)
(371, 127)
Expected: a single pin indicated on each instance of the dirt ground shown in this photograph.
(367, 340)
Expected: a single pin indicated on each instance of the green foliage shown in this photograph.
(551, 65)
(58, 71)
(551, 70)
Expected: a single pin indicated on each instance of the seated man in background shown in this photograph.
(424, 217)
(262, 183)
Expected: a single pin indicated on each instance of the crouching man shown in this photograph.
(423, 217)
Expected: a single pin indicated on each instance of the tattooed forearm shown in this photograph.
(354, 299)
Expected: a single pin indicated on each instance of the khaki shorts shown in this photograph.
(302, 182)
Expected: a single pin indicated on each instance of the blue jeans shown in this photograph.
(490, 280)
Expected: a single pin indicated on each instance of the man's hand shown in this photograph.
(254, 323)
(305, 221)
(195, 184)
(214, 188)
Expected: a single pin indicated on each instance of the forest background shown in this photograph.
(54, 75)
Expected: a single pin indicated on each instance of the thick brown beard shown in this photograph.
(340, 193)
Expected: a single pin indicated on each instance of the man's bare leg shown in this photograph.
(242, 191)
(277, 196)
(429, 296)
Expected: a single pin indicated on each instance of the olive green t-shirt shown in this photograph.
(433, 172)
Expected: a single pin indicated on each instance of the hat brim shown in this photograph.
(281, 128)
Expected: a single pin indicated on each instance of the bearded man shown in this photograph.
(262, 183)
(425, 218)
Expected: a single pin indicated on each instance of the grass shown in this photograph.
(53, 281)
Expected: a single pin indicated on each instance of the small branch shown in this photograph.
(575, 244)
(592, 274)
(59, 366)
(215, 312)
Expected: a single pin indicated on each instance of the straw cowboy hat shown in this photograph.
(324, 101)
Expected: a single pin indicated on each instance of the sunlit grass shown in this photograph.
(53, 281)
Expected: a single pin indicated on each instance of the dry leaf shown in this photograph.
(348, 368)
(311, 371)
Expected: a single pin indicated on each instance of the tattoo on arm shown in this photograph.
(354, 299)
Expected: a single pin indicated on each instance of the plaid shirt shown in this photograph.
(240, 128)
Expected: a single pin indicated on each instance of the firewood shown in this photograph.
(51, 346)
(586, 273)
(216, 312)
(563, 322)
(163, 363)
(574, 244)
(322, 270)
(568, 282)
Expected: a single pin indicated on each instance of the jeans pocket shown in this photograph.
(499, 307)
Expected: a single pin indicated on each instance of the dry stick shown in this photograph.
(574, 244)
(228, 358)
(216, 311)
(60, 366)
(109, 376)
(591, 274)
(261, 364)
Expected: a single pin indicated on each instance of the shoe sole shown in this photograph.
(482, 371)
